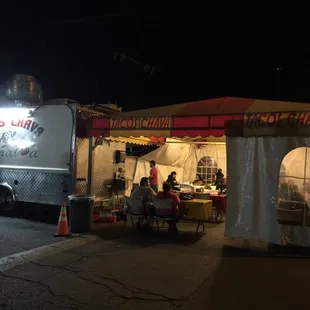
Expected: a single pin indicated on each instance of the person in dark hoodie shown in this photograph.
(219, 176)
(172, 180)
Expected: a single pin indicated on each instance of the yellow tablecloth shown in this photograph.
(198, 209)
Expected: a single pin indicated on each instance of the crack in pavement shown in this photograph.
(133, 295)
(47, 288)
(3, 302)
(134, 292)
(45, 278)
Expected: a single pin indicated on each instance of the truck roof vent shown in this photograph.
(23, 90)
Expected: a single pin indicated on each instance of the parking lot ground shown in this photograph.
(19, 235)
(136, 270)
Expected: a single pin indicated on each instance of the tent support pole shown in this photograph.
(90, 165)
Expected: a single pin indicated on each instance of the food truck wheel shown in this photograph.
(7, 202)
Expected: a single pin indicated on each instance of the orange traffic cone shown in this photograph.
(62, 228)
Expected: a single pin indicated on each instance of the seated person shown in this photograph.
(307, 186)
(307, 200)
(292, 187)
(289, 191)
(283, 191)
(146, 192)
(289, 195)
(224, 182)
(143, 190)
(172, 180)
(199, 181)
(224, 186)
(166, 194)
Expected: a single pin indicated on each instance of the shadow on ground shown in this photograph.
(186, 235)
(272, 251)
(258, 283)
(36, 212)
(213, 239)
(186, 240)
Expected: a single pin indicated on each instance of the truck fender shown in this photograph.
(8, 187)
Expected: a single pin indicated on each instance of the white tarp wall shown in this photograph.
(180, 157)
(253, 169)
(104, 167)
(130, 169)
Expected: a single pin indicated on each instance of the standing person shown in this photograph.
(153, 176)
(219, 176)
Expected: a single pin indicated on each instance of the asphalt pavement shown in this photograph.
(18, 235)
(117, 271)
(30, 228)
(139, 270)
(143, 270)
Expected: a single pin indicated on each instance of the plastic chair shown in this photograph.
(291, 212)
(162, 211)
(135, 208)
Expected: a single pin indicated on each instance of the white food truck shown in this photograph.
(45, 154)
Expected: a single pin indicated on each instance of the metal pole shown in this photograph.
(305, 177)
(90, 165)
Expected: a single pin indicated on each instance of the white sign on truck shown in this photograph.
(36, 139)
(46, 154)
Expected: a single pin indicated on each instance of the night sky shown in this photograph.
(200, 52)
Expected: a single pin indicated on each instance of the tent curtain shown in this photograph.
(254, 168)
(130, 168)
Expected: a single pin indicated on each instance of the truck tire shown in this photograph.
(7, 202)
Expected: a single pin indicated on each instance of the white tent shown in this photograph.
(255, 165)
(182, 158)
(258, 135)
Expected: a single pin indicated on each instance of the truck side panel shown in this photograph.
(37, 152)
(37, 187)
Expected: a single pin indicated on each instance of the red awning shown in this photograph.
(203, 118)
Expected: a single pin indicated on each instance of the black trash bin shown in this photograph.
(81, 213)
